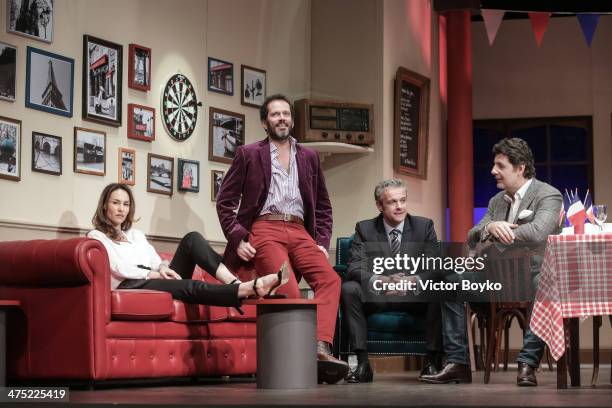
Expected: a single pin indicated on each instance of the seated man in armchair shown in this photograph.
(392, 227)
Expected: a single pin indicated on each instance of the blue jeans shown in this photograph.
(533, 346)
(454, 333)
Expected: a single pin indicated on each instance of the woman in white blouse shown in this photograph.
(135, 264)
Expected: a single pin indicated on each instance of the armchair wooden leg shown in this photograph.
(490, 343)
(482, 327)
(470, 333)
(501, 323)
(507, 340)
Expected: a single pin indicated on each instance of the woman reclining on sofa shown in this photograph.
(135, 264)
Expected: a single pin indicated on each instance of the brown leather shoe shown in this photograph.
(330, 370)
(526, 376)
(451, 372)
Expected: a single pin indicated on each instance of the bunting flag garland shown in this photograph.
(539, 23)
(492, 21)
(588, 24)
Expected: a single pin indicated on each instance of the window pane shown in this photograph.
(570, 178)
(536, 139)
(484, 186)
(542, 173)
(568, 143)
(484, 139)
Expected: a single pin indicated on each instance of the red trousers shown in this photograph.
(277, 241)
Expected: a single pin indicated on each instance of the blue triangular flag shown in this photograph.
(588, 23)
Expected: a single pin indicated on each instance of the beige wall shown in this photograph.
(273, 35)
(411, 40)
(564, 77)
(357, 46)
(341, 49)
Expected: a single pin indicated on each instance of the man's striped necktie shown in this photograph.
(395, 241)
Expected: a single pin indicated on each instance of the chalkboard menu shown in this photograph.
(411, 119)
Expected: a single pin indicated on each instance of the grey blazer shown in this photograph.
(543, 199)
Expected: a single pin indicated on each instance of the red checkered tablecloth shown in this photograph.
(575, 281)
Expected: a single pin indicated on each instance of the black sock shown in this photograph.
(362, 356)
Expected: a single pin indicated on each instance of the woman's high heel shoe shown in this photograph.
(283, 278)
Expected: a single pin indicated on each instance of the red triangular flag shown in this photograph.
(492, 21)
(539, 22)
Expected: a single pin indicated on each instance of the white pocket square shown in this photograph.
(525, 214)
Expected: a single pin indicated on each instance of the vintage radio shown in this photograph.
(328, 121)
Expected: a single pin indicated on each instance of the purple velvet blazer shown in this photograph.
(246, 185)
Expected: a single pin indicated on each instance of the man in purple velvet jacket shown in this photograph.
(273, 206)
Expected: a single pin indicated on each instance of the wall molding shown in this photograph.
(78, 231)
(42, 227)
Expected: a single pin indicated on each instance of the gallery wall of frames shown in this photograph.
(123, 114)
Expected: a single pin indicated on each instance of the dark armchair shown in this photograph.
(389, 333)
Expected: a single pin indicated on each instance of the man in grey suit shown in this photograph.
(526, 210)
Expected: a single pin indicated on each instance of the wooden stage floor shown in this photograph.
(388, 390)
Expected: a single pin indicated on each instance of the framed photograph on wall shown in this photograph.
(411, 123)
(46, 153)
(30, 18)
(188, 175)
(141, 122)
(226, 134)
(216, 178)
(160, 173)
(139, 67)
(102, 79)
(8, 71)
(10, 149)
(49, 82)
(220, 76)
(127, 166)
(89, 151)
(252, 85)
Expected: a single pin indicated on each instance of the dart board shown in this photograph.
(179, 107)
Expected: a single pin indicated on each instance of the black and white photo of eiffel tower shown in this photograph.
(52, 96)
(49, 82)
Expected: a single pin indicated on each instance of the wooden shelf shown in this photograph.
(328, 148)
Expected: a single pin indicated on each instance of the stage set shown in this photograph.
(418, 94)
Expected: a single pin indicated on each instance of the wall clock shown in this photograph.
(179, 106)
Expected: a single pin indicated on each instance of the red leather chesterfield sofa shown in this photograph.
(72, 326)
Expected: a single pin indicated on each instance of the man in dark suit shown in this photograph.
(273, 207)
(389, 234)
(526, 210)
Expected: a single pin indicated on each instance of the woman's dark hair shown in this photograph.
(518, 152)
(101, 222)
(263, 110)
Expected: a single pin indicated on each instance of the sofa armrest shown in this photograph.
(55, 262)
(64, 290)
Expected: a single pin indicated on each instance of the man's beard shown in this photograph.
(279, 136)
